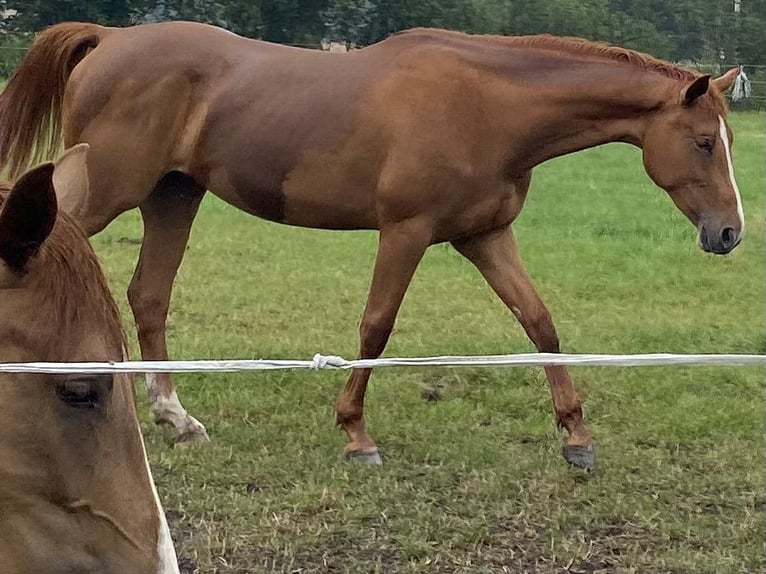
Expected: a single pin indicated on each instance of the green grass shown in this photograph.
(474, 482)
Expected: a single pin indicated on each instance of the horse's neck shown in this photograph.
(575, 111)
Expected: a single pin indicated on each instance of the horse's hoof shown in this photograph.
(366, 456)
(191, 438)
(193, 433)
(581, 456)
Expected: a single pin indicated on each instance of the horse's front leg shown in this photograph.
(400, 249)
(496, 256)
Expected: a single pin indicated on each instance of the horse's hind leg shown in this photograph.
(496, 256)
(167, 214)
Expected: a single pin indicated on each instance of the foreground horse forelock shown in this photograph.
(76, 493)
(429, 136)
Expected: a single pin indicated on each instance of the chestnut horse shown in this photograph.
(76, 492)
(428, 136)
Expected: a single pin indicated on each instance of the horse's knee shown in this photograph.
(149, 310)
(542, 332)
(549, 341)
(374, 333)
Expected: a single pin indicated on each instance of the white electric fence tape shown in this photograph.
(335, 362)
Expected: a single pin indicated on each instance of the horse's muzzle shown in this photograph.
(718, 240)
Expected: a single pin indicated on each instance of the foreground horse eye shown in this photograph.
(705, 144)
(83, 392)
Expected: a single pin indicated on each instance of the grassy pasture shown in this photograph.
(474, 481)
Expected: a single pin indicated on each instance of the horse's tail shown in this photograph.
(30, 105)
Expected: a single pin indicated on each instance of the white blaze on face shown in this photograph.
(168, 561)
(725, 141)
(166, 552)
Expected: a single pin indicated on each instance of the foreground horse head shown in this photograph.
(687, 151)
(76, 494)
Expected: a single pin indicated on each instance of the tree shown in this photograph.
(292, 21)
(194, 10)
(37, 14)
(348, 21)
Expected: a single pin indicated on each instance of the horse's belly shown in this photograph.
(318, 203)
(256, 196)
(330, 209)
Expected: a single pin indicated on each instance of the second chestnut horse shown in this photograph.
(429, 136)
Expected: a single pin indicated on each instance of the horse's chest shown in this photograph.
(470, 210)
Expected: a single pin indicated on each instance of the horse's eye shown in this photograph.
(83, 391)
(705, 144)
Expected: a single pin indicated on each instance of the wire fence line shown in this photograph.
(320, 361)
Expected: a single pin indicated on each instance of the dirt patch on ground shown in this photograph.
(513, 547)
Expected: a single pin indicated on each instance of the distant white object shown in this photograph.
(742, 88)
(334, 46)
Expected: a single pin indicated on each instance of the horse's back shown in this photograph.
(292, 135)
(228, 73)
(238, 115)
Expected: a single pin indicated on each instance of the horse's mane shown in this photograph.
(570, 45)
(72, 287)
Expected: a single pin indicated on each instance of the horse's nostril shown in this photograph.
(728, 236)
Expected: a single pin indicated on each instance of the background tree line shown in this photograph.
(698, 31)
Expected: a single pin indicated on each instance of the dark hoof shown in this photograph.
(367, 456)
(190, 437)
(580, 456)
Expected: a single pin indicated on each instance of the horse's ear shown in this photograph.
(28, 216)
(71, 172)
(696, 89)
(725, 82)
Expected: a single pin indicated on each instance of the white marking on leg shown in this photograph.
(170, 410)
(151, 386)
(165, 409)
(725, 139)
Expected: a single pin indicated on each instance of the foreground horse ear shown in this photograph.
(71, 172)
(696, 89)
(28, 216)
(727, 80)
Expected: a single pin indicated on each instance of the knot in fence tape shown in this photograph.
(328, 362)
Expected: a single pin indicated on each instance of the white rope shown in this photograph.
(335, 362)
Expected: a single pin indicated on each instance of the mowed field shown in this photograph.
(473, 480)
